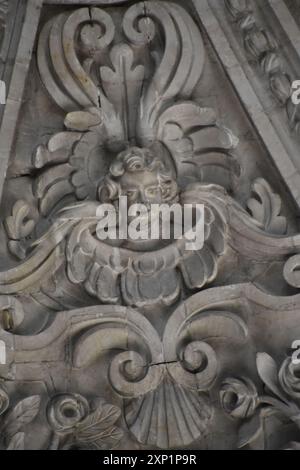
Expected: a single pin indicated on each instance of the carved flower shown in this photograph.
(289, 378)
(258, 42)
(237, 8)
(4, 401)
(239, 397)
(66, 411)
(80, 425)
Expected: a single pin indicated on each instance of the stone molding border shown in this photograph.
(252, 105)
(17, 85)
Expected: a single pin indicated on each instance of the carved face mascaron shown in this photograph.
(141, 176)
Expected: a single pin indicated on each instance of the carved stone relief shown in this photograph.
(144, 344)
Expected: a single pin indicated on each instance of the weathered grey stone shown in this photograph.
(156, 345)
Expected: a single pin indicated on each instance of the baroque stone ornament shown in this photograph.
(123, 343)
(263, 48)
(238, 397)
(24, 412)
(188, 365)
(75, 425)
(124, 111)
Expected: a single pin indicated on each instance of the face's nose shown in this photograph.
(142, 199)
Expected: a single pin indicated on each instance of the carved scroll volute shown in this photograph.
(71, 86)
(127, 330)
(76, 83)
(180, 67)
(163, 379)
(191, 343)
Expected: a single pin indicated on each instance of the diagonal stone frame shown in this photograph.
(10, 39)
(216, 23)
(16, 85)
(288, 23)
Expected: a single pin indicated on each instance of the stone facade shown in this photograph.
(147, 346)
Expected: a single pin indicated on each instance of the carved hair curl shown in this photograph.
(132, 160)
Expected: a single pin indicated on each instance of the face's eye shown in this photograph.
(152, 191)
(137, 167)
(168, 190)
(130, 193)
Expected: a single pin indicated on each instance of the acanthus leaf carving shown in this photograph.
(18, 226)
(123, 86)
(98, 428)
(265, 207)
(15, 419)
(23, 413)
(284, 401)
(17, 442)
